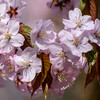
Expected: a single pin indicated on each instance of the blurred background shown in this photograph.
(37, 9)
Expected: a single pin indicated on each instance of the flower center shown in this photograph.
(41, 35)
(26, 64)
(8, 36)
(62, 55)
(79, 22)
(75, 42)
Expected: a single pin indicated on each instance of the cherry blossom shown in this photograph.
(76, 20)
(14, 7)
(61, 7)
(4, 18)
(9, 37)
(60, 54)
(77, 41)
(65, 78)
(94, 36)
(42, 34)
(29, 64)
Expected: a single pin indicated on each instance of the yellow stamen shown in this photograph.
(62, 55)
(62, 77)
(26, 63)
(76, 42)
(8, 36)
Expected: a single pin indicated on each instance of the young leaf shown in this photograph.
(46, 84)
(93, 9)
(90, 76)
(26, 31)
(98, 63)
(45, 65)
(82, 4)
(36, 84)
(91, 57)
(90, 9)
(44, 78)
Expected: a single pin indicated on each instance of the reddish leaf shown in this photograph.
(98, 64)
(93, 9)
(90, 9)
(47, 83)
(90, 76)
(45, 65)
(36, 84)
(45, 76)
(24, 30)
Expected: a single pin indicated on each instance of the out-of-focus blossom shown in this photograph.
(14, 7)
(65, 78)
(61, 7)
(3, 75)
(4, 18)
(95, 34)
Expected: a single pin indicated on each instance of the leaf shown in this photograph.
(53, 2)
(93, 9)
(91, 57)
(36, 84)
(26, 31)
(44, 78)
(92, 60)
(90, 76)
(46, 84)
(98, 63)
(90, 9)
(82, 4)
(45, 65)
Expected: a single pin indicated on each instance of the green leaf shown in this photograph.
(91, 57)
(27, 29)
(82, 4)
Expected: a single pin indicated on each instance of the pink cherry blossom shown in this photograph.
(61, 7)
(4, 18)
(94, 36)
(14, 7)
(9, 37)
(76, 20)
(29, 64)
(65, 78)
(59, 55)
(76, 40)
(42, 34)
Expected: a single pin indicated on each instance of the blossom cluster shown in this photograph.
(61, 7)
(66, 49)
